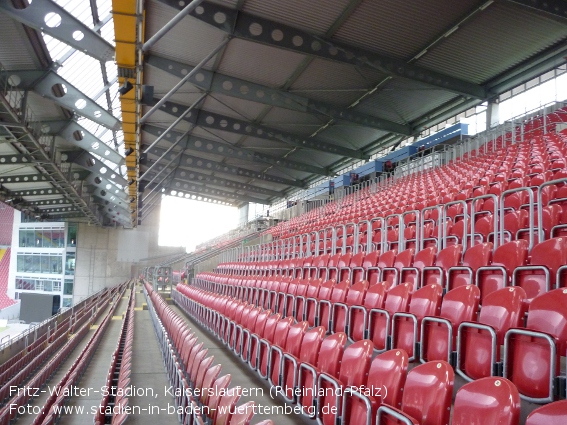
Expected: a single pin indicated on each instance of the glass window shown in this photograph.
(45, 264)
(48, 285)
(36, 263)
(58, 238)
(70, 263)
(22, 238)
(56, 285)
(68, 288)
(72, 235)
(55, 264)
(38, 238)
(67, 302)
(46, 236)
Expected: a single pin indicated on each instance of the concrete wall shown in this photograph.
(108, 256)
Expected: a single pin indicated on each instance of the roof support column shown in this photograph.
(492, 114)
(177, 121)
(161, 171)
(164, 154)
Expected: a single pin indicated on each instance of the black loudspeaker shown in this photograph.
(38, 307)
(148, 95)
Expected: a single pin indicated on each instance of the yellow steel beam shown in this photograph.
(126, 37)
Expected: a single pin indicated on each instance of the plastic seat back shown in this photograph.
(210, 377)
(509, 256)
(547, 316)
(551, 414)
(354, 367)
(501, 310)
(478, 256)
(471, 406)
(459, 305)
(227, 405)
(428, 392)
(291, 342)
(374, 298)
(447, 258)
(324, 310)
(551, 254)
(397, 299)
(403, 259)
(405, 328)
(243, 414)
(424, 258)
(328, 361)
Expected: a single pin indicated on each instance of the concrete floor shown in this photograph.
(148, 373)
(243, 376)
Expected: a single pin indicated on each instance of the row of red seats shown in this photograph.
(471, 175)
(511, 264)
(39, 377)
(393, 316)
(190, 372)
(51, 410)
(336, 383)
(118, 377)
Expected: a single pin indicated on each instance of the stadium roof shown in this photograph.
(269, 95)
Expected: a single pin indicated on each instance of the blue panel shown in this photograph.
(448, 133)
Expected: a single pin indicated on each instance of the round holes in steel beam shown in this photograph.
(78, 35)
(59, 90)
(255, 29)
(81, 104)
(220, 17)
(14, 80)
(52, 19)
(277, 35)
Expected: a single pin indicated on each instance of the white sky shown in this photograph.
(184, 222)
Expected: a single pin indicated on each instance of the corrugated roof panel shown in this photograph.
(403, 100)
(338, 98)
(188, 42)
(494, 42)
(163, 82)
(17, 54)
(320, 159)
(401, 28)
(315, 16)
(271, 147)
(230, 138)
(42, 108)
(283, 116)
(330, 82)
(326, 74)
(233, 107)
(259, 63)
(351, 135)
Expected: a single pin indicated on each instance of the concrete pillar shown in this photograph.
(492, 114)
(243, 214)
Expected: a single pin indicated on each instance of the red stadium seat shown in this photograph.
(439, 333)
(544, 338)
(478, 343)
(427, 396)
(550, 414)
(471, 406)
(405, 326)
